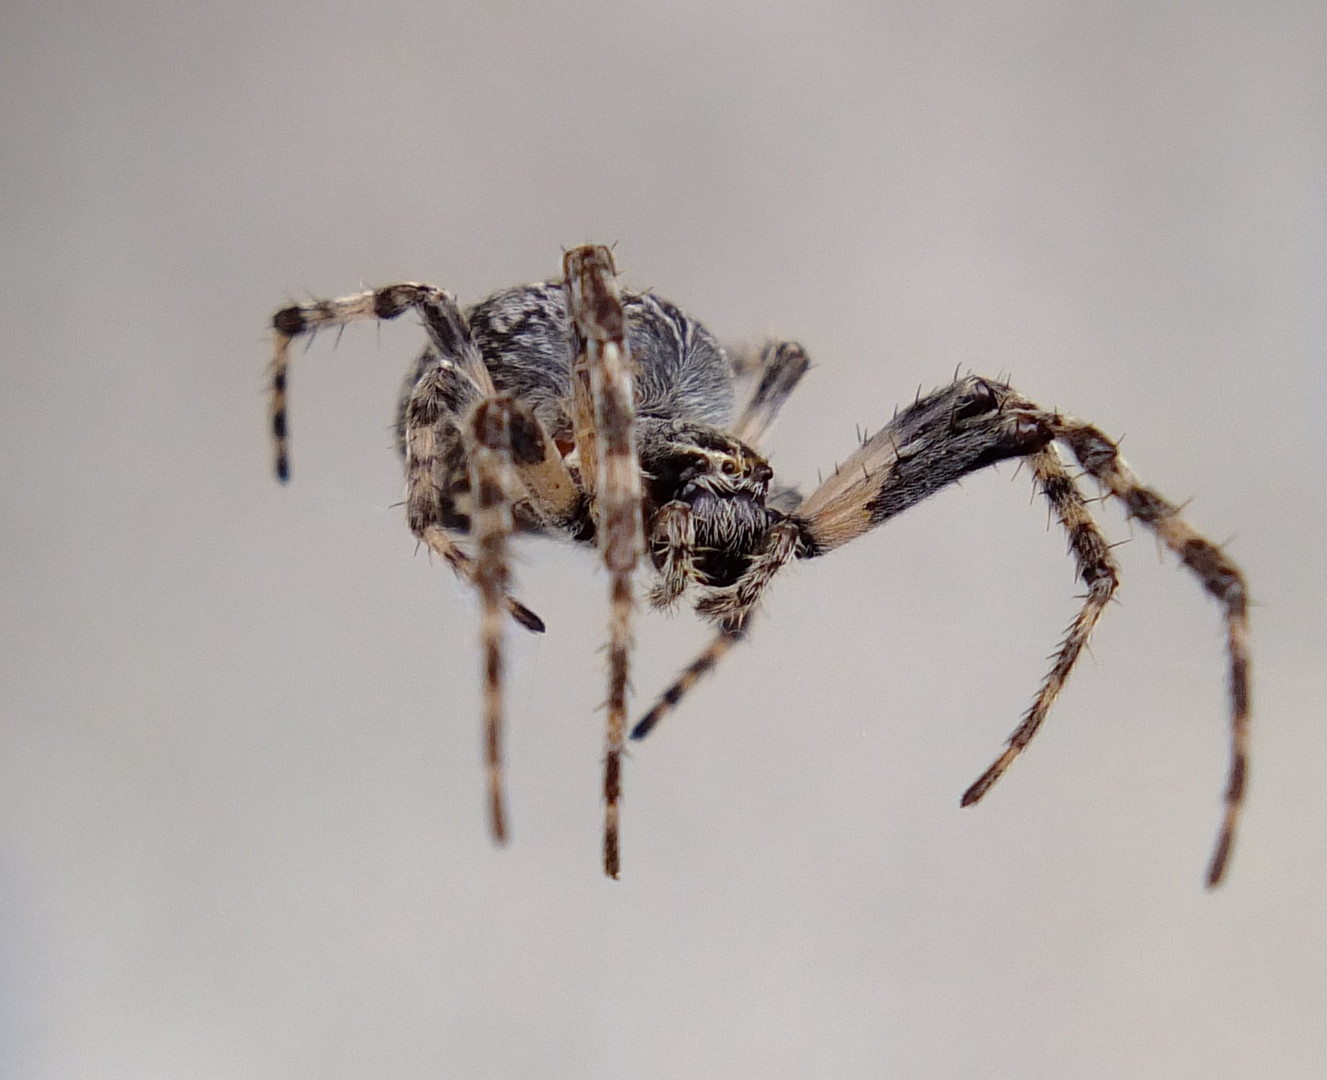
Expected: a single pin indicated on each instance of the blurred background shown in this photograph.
(241, 793)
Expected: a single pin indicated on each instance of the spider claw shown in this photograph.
(525, 616)
(979, 787)
(1216, 869)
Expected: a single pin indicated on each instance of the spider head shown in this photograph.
(722, 482)
(726, 469)
(686, 461)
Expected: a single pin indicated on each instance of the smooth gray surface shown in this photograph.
(241, 826)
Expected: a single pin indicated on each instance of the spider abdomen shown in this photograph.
(526, 339)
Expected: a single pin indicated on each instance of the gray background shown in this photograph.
(241, 826)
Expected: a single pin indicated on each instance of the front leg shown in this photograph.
(976, 422)
(731, 607)
(702, 665)
(606, 440)
(937, 440)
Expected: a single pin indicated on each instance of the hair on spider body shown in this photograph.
(572, 410)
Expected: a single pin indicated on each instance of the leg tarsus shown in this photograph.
(1098, 572)
(1219, 577)
(525, 616)
(725, 639)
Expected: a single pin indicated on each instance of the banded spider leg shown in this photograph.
(606, 439)
(471, 454)
(942, 437)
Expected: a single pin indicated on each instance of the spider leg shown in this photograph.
(932, 443)
(732, 608)
(781, 365)
(975, 422)
(446, 422)
(1218, 575)
(552, 494)
(427, 359)
(431, 434)
(504, 458)
(448, 377)
(438, 312)
(925, 447)
(728, 636)
(491, 482)
(1099, 573)
(607, 444)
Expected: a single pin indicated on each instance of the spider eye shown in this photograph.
(728, 467)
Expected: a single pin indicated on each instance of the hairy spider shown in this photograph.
(570, 409)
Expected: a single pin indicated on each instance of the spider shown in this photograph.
(573, 410)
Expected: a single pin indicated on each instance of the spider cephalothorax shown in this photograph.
(569, 409)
